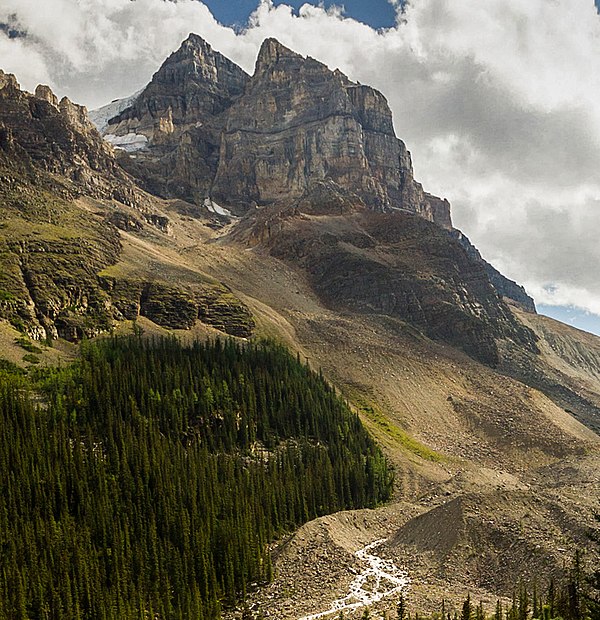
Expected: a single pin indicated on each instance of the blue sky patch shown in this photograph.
(375, 13)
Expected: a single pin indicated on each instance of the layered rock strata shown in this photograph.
(213, 131)
(297, 123)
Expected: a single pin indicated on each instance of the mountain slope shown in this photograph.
(66, 203)
(466, 395)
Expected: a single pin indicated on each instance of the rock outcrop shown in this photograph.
(506, 288)
(57, 137)
(211, 130)
(179, 115)
(299, 122)
(392, 264)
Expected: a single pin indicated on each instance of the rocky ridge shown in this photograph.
(214, 131)
(391, 264)
(506, 288)
(65, 200)
(57, 137)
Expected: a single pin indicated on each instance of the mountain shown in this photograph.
(175, 123)
(298, 123)
(488, 413)
(214, 131)
(64, 200)
(273, 137)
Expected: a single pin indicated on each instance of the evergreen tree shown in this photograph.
(498, 611)
(154, 476)
(467, 609)
(401, 608)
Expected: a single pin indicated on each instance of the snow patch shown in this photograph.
(101, 116)
(213, 207)
(131, 142)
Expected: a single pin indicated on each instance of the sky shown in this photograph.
(497, 100)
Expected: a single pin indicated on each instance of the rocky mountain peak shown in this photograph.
(197, 62)
(194, 83)
(195, 44)
(207, 128)
(271, 52)
(299, 123)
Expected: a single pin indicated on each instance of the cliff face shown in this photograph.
(391, 264)
(206, 128)
(298, 122)
(194, 84)
(174, 125)
(57, 137)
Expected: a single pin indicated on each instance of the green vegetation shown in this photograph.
(146, 480)
(26, 344)
(393, 431)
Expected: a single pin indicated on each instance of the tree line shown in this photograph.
(576, 597)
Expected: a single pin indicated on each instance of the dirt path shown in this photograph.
(380, 579)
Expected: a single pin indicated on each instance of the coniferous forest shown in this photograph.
(147, 479)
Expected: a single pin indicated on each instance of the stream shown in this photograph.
(380, 578)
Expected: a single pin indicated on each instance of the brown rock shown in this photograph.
(298, 123)
(8, 79)
(45, 92)
(213, 131)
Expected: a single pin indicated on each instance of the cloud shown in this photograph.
(497, 101)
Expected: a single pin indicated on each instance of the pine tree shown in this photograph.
(467, 609)
(401, 608)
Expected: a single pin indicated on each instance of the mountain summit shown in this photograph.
(210, 130)
(194, 83)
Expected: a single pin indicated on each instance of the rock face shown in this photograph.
(393, 264)
(297, 123)
(214, 131)
(180, 114)
(505, 287)
(54, 136)
(193, 85)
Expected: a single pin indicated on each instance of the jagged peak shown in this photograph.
(196, 52)
(75, 114)
(8, 79)
(45, 92)
(195, 43)
(271, 51)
